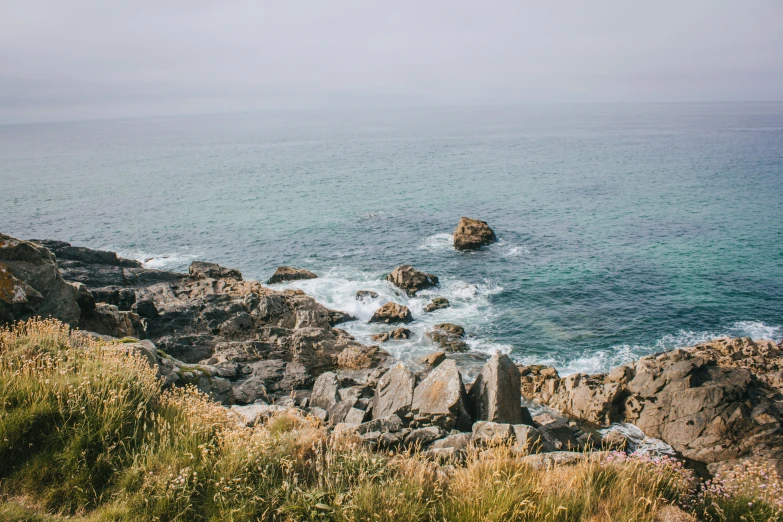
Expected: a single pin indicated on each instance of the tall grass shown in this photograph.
(86, 433)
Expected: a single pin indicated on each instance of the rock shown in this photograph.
(250, 391)
(31, 284)
(458, 441)
(614, 440)
(66, 251)
(472, 234)
(387, 424)
(392, 313)
(411, 280)
(433, 359)
(714, 403)
(449, 336)
(325, 391)
(539, 461)
(204, 270)
(145, 308)
(528, 439)
(439, 400)
(399, 333)
(358, 357)
(422, 437)
(109, 320)
(394, 393)
(253, 414)
(362, 295)
(287, 273)
(492, 433)
(437, 304)
(319, 413)
(673, 514)
(496, 394)
(558, 435)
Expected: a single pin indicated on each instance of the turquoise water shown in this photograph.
(624, 229)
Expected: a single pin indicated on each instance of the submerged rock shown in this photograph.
(287, 273)
(362, 295)
(437, 303)
(411, 280)
(449, 336)
(392, 313)
(472, 234)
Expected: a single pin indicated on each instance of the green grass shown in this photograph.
(86, 433)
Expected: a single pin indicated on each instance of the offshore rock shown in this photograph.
(287, 273)
(204, 270)
(362, 295)
(472, 234)
(398, 334)
(496, 394)
(392, 313)
(411, 280)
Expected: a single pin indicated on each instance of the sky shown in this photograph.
(85, 59)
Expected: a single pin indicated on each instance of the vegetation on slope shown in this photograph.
(86, 433)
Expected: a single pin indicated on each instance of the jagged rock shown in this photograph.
(558, 435)
(362, 295)
(145, 308)
(529, 440)
(250, 391)
(472, 234)
(388, 424)
(449, 336)
(422, 437)
(108, 319)
(492, 433)
(458, 441)
(715, 403)
(356, 356)
(433, 359)
(66, 251)
(437, 303)
(496, 393)
(392, 313)
(439, 400)
(287, 273)
(411, 280)
(325, 391)
(394, 393)
(399, 334)
(204, 270)
(31, 284)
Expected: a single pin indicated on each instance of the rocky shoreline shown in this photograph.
(258, 350)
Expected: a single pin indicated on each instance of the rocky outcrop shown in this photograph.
(440, 399)
(397, 334)
(287, 273)
(472, 234)
(495, 395)
(714, 403)
(437, 303)
(31, 284)
(411, 280)
(449, 336)
(391, 313)
(362, 295)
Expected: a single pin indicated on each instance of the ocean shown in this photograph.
(623, 230)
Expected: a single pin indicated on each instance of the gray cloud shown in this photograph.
(91, 59)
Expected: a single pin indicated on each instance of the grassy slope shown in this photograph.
(87, 433)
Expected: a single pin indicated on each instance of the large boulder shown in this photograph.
(109, 320)
(394, 393)
(472, 234)
(287, 273)
(357, 356)
(326, 391)
(391, 313)
(439, 400)
(438, 303)
(496, 394)
(411, 280)
(449, 336)
(31, 284)
(716, 403)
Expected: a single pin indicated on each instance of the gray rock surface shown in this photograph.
(394, 393)
(439, 400)
(496, 394)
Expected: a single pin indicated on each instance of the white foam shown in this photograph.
(442, 241)
(177, 261)
(470, 307)
(506, 249)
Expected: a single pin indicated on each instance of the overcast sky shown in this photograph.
(79, 59)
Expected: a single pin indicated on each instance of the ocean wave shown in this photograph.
(438, 242)
(506, 249)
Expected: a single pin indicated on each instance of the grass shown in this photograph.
(86, 433)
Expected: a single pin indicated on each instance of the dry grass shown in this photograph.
(86, 433)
